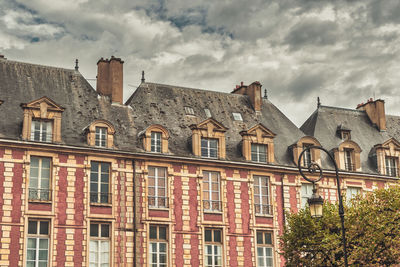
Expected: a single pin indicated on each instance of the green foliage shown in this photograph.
(372, 227)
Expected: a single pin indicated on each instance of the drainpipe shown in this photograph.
(134, 213)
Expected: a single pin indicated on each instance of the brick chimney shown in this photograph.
(253, 91)
(110, 78)
(375, 111)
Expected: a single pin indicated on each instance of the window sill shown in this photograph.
(212, 211)
(265, 215)
(39, 201)
(102, 204)
(158, 208)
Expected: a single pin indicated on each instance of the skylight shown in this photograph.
(208, 112)
(189, 111)
(237, 116)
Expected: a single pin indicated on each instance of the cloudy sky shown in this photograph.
(342, 51)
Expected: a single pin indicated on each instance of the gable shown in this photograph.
(43, 103)
(260, 129)
(208, 124)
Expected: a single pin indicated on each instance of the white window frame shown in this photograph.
(307, 157)
(101, 136)
(207, 177)
(306, 193)
(38, 237)
(262, 182)
(45, 133)
(99, 194)
(155, 142)
(100, 241)
(264, 247)
(260, 149)
(215, 248)
(158, 198)
(42, 193)
(158, 242)
(208, 147)
(391, 166)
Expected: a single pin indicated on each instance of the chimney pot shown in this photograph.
(110, 78)
(241, 83)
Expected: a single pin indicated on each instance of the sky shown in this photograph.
(345, 52)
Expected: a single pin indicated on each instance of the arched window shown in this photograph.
(100, 133)
(155, 139)
(311, 156)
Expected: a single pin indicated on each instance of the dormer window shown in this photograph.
(391, 166)
(343, 132)
(258, 144)
(41, 131)
(189, 111)
(259, 152)
(346, 135)
(101, 136)
(312, 155)
(156, 142)
(347, 156)
(209, 148)
(42, 120)
(348, 161)
(155, 139)
(208, 139)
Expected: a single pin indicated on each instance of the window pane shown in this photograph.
(31, 243)
(260, 238)
(44, 228)
(43, 255)
(43, 243)
(268, 238)
(32, 227)
(94, 167)
(152, 171)
(94, 229)
(217, 236)
(153, 232)
(31, 255)
(163, 247)
(207, 235)
(162, 233)
(105, 230)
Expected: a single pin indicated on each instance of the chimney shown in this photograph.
(110, 78)
(376, 112)
(253, 91)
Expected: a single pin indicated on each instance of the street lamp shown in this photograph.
(315, 202)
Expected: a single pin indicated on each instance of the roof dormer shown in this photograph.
(312, 155)
(42, 120)
(258, 144)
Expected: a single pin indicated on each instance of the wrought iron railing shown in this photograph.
(42, 136)
(392, 171)
(99, 197)
(349, 166)
(158, 202)
(212, 205)
(262, 209)
(40, 194)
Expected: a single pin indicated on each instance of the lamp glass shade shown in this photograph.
(315, 203)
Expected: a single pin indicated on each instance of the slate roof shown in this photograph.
(164, 104)
(323, 124)
(23, 83)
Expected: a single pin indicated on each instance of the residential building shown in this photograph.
(172, 177)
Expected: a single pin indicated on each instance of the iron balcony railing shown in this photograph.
(41, 194)
(158, 202)
(42, 136)
(212, 205)
(263, 209)
(100, 197)
(349, 166)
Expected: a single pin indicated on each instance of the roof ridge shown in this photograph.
(341, 108)
(34, 64)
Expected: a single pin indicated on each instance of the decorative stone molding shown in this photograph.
(258, 134)
(297, 148)
(91, 133)
(42, 109)
(147, 137)
(209, 128)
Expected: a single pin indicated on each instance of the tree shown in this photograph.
(372, 227)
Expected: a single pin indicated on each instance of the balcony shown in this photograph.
(100, 198)
(262, 209)
(39, 194)
(212, 205)
(157, 202)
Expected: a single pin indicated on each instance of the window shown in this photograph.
(208, 112)
(157, 188)
(213, 247)
(237, 116)
(99, 246)
(391, 166)
(209, 148)
(306, 193)
(258, 153)
(156, 142)
(101, 137)
(264, 249)
(189, 111)
(37, 252)
(99, 182)
(41, 131)
(346, 135)
(211, 187)
(306, 155)
(348, 163)
(39, 179)
(351, 192)
(261, 195)
(158, 246)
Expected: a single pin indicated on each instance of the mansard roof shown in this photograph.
(164, 104)
(323, 124)
(24, 83)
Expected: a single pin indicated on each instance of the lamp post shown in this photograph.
(315, 202)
